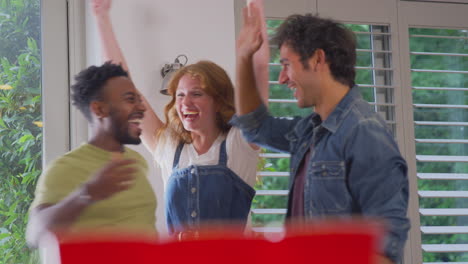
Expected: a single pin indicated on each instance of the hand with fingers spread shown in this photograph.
(115, 177)
(250, 37)
(101, 7)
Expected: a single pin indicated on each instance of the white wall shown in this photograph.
(152, 33)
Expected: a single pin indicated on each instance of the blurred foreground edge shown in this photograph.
(320, 242)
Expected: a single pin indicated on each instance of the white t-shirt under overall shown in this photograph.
(242, 158)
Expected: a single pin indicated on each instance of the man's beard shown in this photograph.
(121, 132)
(123, 137)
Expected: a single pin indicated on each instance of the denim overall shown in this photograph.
(205, 193)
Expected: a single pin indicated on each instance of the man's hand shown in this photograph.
(118, 175)
(101, 7)
(115, 177)
(250, 37)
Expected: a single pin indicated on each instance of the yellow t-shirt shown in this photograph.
(131, 211)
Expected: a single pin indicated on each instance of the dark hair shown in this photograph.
(307, 33)
(89, 84)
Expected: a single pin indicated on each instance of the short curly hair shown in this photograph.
(90, 83)
(307, 33)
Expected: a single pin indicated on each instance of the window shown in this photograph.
(21, 123)
(413, 69)
(439, 68)
(434, 77)
(24, 130)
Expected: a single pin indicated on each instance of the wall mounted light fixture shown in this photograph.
(168, 70)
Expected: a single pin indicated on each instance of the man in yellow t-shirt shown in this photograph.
(100, 186)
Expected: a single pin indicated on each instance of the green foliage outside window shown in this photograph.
(455, 97)
(20, 123)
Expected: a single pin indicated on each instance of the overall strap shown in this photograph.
(177, 155)
(223, 154)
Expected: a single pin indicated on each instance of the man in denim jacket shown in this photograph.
(344, 160)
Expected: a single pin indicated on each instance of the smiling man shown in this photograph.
(344, 160)
(101, 186)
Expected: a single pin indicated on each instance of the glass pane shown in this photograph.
(364, 59)
(370, 76)
(441, 149)
(440, 114)
(443, 132)
(288, 110)
(281, 164)
(446, 257)
(439, 97)
(272, 24)
(278, 91)
(440, 239)
(432, 40)
(374, 53)
(20, 123)
(274, 57)
(274, 74)
(441, 167)
(363, 41)
(439, 62)
(358, 28)
(439, 79)
(269, 201)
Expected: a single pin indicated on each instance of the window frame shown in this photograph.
(78, 60)
(419, 14)
(64, 26)
(55, 76)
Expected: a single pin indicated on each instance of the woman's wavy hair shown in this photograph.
(215, 82)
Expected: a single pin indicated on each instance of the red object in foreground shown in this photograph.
(331, 244)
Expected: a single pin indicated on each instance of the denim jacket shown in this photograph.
(355, 166)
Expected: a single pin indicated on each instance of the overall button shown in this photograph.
(193, 189)
(192, 171)
(194, 214)
(324, 173)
